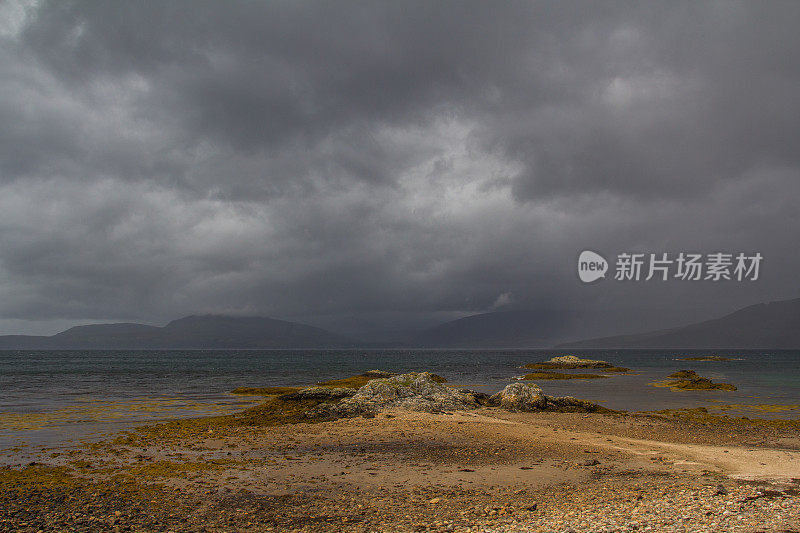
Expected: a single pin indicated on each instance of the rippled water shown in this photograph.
(85, 386)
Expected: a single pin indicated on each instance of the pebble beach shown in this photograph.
(479, 469)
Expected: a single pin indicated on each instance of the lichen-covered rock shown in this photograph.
(416, 391)
(520, 397)
(529, 397)
(320, 393)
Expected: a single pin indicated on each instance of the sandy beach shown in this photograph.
(485, 469)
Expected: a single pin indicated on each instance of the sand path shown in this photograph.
(740, 462)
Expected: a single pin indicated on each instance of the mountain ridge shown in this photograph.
(190, 332)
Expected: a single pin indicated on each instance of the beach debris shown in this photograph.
(415, 391)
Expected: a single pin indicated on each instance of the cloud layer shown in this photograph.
(389, 163)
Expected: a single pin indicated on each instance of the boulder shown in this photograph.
(520, 397)
(416, 391)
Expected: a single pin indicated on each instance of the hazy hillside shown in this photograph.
(774, 325)
(506, 329)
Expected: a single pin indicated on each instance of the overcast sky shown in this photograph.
(369, 165)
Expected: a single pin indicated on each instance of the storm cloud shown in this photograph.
(373, 165)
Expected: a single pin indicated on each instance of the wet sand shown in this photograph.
(482, 470)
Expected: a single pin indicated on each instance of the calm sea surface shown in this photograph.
(42, 393)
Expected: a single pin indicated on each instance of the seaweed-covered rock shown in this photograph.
(690, 380)
(320, 393)
(520, 397)
(572, 362)
(416, 391)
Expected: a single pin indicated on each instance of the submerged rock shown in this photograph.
(416, 391)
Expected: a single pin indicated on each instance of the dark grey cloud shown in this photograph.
(389, 163)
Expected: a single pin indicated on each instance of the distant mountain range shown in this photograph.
(774, 325)
(501, 329)
(199, 332)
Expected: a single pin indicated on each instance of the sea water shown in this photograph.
(44, 393)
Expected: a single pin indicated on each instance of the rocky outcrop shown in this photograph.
(423, 391)
(528, 397)
(416, 391)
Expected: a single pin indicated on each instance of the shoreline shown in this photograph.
(484, 469)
